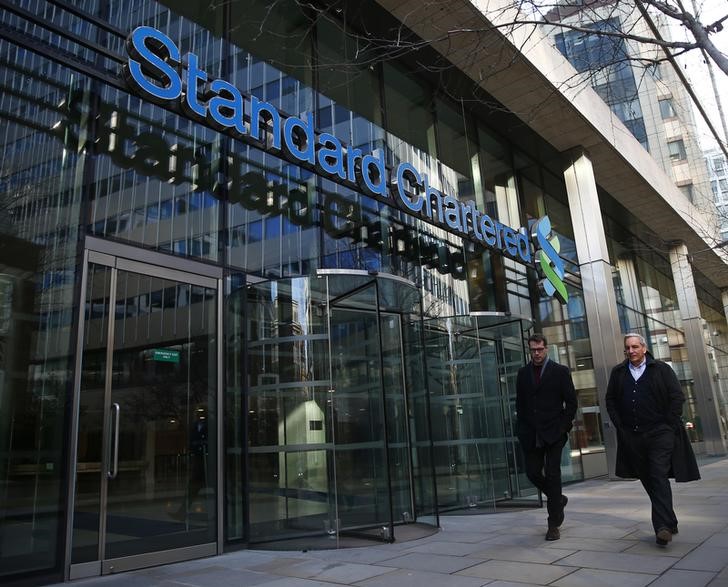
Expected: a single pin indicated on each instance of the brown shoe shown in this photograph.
(553, 533)
(663, 536)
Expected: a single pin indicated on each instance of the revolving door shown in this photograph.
(338, 426)
(472, 364)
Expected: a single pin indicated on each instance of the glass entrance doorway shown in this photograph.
(338, 427)
(146, 467)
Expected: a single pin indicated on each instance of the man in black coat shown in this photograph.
(545, 405)
(644, 401)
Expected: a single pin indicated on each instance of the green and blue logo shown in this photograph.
(547, 255)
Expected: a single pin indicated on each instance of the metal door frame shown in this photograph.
(122, 257)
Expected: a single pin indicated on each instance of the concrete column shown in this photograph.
(703, 375)
(596, 278)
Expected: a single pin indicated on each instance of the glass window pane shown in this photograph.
(40, 214)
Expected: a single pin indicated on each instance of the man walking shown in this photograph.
(644, 401)
(545, 405)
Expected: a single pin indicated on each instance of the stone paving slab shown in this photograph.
(242, 559)
(678, 578)
(519, 540)
(568, 531)
(435, 563)
(449, 548)
(200, 576)
(410, 578)
(372, 555)
(459, 536)
(335, 572)
(275, 564)
(676, 548)
(611, 561)
(601, 578)
(704, 558)
(221, 577)
(718, 540)
(520, 572)
(294, 582)
(523, 554)
(125, 580)
(599, 545)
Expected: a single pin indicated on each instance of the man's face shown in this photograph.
(634, 350)
(538, 352)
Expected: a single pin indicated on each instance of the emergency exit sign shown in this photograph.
(165, 356)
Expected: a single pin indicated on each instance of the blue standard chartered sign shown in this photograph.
(157, 71)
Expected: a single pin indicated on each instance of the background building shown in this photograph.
(718, 174)
(639, 84)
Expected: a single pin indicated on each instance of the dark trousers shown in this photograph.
(543, 469)
(651, 454)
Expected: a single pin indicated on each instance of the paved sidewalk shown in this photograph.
(606, 540)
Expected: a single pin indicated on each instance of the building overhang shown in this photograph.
(520, 68)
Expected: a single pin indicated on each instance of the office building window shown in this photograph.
(718, 165)
(666, 109)
(677, 150)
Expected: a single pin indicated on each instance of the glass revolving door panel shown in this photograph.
(336, 446)
(472, 361)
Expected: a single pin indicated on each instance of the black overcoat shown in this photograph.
(546, 409)
(665, 386)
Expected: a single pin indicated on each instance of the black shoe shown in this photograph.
(560, 519)
(553, 533)
(663, 536)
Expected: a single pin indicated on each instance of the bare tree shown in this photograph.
(699, 36)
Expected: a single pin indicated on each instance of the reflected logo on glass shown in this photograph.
(547, 256)
(158, 71)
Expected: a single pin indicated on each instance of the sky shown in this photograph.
(697, 72)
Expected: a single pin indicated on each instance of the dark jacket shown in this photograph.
(546, 409)
(666, 389)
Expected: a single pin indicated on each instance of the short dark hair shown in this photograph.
(538, 337)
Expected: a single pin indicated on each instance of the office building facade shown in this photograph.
(718, 174)
(266, 278)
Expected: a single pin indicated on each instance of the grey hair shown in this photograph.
(641, 338)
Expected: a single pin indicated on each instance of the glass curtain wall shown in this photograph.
(647, 301)
(716, 337)
(564, 326)
(42, 187)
